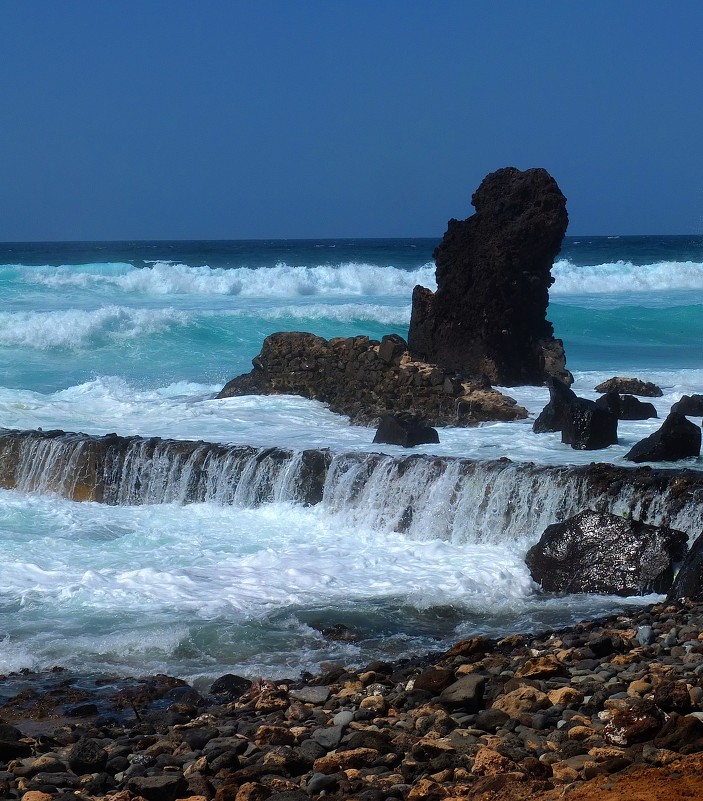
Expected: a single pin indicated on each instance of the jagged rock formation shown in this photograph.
(605, 553)
(366, 379)
(689, 405)
(678, 438)
(626, 407)
(631, 386)
(583, 423)
(488, 315)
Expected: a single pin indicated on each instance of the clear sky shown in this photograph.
(225, 119)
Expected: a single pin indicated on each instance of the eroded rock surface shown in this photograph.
(631, 386)
(488, 315)
(366, 379)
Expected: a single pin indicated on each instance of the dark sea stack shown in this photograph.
(678, 438)
(630, 386)
(598, 552)
(689, 579)
(627, 407)
(405, 431)
(488, 315)
(689, 405)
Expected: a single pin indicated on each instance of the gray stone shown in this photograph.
(466, 692)
(311, 695)
(328, 737)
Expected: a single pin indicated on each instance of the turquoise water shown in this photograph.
(138, 338)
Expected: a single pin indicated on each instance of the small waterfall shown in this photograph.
(423, 497)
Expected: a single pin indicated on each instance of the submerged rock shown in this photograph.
(488, 315)
(678, 438)
(631, 386)
(602, 553)
(408, 432)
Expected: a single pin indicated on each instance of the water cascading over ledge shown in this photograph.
(423, 497)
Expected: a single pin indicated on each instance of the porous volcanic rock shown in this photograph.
(604, 553)
(488, 315)
(677, 438)
(630, 386)
(366, 379)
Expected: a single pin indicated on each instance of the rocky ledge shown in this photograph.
(367, 379)
(608, 704)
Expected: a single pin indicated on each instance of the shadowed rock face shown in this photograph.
(488, 315)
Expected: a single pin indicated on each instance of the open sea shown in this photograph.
(137, 338)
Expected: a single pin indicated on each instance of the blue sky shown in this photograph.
(319, 118)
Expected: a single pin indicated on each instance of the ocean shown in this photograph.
(137, 339)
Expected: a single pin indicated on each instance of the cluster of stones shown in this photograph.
(366, 379)
(590, 425)
(538, 713)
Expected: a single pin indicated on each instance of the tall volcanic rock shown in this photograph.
(488, 315)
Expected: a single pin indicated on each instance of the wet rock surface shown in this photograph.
(678, 438)
(584, 424)
(366, 380)
(604, 553)
(488, 315)
(606, 704)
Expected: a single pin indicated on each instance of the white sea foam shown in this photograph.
(625, 277)
(280, 281)
(188, 411)
(77, 328)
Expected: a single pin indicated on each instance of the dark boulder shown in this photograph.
(230, 685)
(677, 438)
(588, 427)
(626, 407)
(583, 424)
(488, 315)
(689, 579)
(603, 553)
(689, 405)
(397, 429)
(553, 416)
(631, 386)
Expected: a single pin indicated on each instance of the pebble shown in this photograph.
(545, 712)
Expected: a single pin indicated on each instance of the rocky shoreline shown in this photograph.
(613, 705)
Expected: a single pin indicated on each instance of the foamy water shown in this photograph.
(137, 342)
